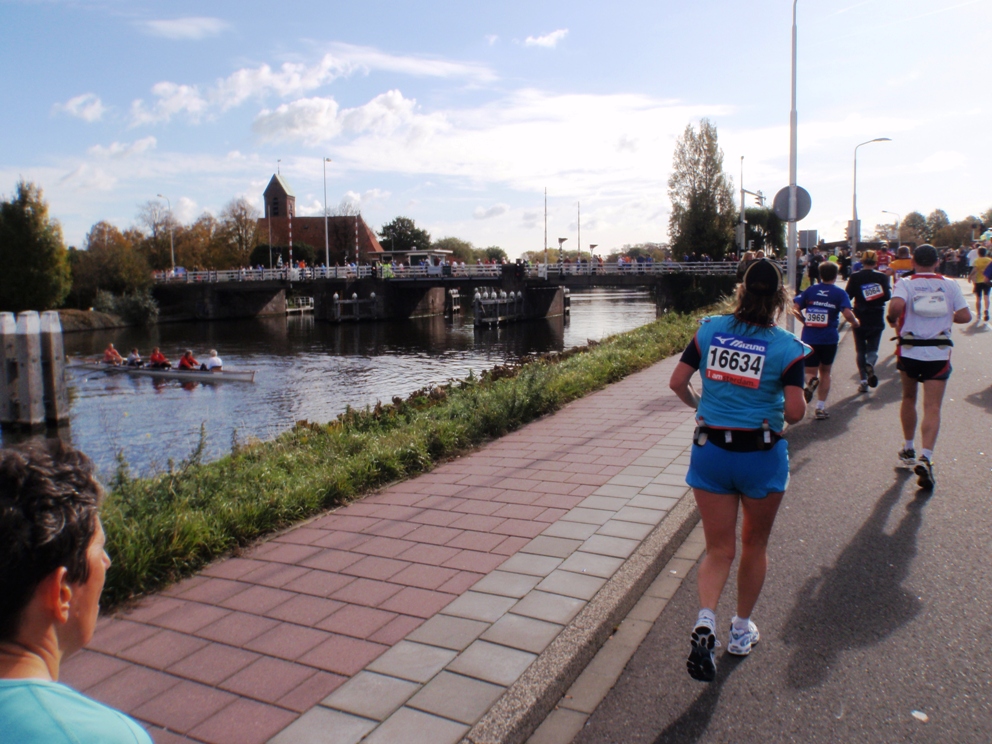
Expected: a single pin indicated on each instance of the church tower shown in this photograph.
(280, 201)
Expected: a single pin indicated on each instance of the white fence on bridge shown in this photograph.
(456, 271)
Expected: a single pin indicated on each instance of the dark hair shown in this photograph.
(982, 252)
(762, 310)
(828, 271)
(48, 508)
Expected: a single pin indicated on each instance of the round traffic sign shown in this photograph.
(781, 204)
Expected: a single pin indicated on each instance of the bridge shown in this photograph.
(419, 291)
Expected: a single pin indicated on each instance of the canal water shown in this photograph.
(304, 370)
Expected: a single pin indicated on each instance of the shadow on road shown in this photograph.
(982, 399)
(692, 724)
(860, 600)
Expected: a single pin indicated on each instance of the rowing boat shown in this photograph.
(186, 375)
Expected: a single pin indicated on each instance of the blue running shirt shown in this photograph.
(821, 305)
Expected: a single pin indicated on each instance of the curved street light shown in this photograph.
(855, 236)
(898, 222)
(172, 245)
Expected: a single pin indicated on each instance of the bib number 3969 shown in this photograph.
(736, 360)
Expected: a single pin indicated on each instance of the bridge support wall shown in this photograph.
(222, 301)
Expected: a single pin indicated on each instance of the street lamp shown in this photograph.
(327, 249)
(855, 237)
(790, 261)
(172, 245)
(898, 221)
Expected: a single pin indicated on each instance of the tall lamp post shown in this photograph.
(172, 244)
(898, 222)
(793, 192)
(855, 236)
(327, 249)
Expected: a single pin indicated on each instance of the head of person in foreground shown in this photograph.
(761, 295)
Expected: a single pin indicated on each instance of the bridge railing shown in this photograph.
(475, 271)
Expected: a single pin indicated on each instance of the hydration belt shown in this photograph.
(737, 440)
(913, 341)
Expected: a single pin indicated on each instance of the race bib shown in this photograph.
(736, 360)
(872, 291)
(930, 304)
(817, 318)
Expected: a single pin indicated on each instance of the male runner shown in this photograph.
(823, 303)
(924, 306)
(981, 282)
(869, 289)
(901, 265)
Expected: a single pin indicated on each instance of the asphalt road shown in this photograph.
(878, 601)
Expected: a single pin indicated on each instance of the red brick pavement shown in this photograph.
(237, 652)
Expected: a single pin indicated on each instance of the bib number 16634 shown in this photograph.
(736, 360)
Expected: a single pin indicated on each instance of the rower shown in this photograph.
(134, 359)
(157, 360)
(187, 361)
(214, 363)
(112, 356)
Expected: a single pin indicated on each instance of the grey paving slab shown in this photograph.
(492, 662)
(669, 479)
(324, 726)
(555, 547)
(630, 530)
(608, 503)
(534, 565)
(640, 469)
(592, 564)
(371, 695)
(524, 633)
(446, 631)
(571, 530)
(638, 481)
(553, 608)
(408, 726)
(572, 584)
(589, 516)
(646, 501)
(643, 516)
(561, 727)
(611, 489)
(457, 697)
(618, 547)
(647, 609)
(659, 463)
(506, 584)
(477, 606)
(416, 662)
(660, 489)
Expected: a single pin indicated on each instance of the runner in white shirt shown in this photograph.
(924, 307)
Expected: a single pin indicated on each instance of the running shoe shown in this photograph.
(907, 458)
(863, 386)
(821, 414)
(741, 642)
(811, 387)
(924, 469)
(986, 316)
(701, 663)
(870, 375)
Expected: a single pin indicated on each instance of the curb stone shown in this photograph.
(528, 701)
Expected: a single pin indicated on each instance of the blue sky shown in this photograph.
(460, 114)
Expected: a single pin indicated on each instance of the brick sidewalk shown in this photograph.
(240, 651)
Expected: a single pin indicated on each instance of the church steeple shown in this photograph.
(280, 201)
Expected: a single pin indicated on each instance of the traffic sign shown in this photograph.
(781, 204)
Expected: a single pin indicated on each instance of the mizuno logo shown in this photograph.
(723, 339)
(736, 343)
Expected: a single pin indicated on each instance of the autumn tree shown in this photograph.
(239, 221)
(36, 274)
(913, 228)
(461, 250)
(112, 262)
(402, 234)
(703, 215)
(936, 221)
(155, 220)
(764, 231)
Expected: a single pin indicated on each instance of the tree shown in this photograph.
(36, 273)
(492, 253)
(239, 221)
(913, 228)
(703, 215)
(987, 217)
(402, 234)
(461, 250)
(956, 234)
(766, 230)
(155, 220)
(936, 221)
(112, 262)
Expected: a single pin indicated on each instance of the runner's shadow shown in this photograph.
(860, 600)
(982, 399)
(692, 724)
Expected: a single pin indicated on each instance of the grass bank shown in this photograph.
(165, 527)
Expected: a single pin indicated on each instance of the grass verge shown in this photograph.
(162, 528)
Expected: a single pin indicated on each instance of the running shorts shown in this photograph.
(822, 354)
(922, 371)
(753, 474)
(982, 288)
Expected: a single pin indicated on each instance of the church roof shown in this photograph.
(279, 184)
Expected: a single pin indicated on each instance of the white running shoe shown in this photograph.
(701, 663)
(741, 642)
(907, 458)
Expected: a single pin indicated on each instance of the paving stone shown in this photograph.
(478, 606)
(506, 584)
(570, 530)
(287, 641)
(454, 633)
(183, 706)
(533, 565)
(312, 691)
(630, 530)
(324, 726)
(420, 603)
(456, 697)
(659, 489)
(87, 668)
(371, 695)
(664, 587)
(267, 679)
(524, 633)
(131, 687)
(589, 516)
(416, 662)
(647, 609)
(355, 620)
(492, 662)
(552, 608)
(396, 630)
(572, 584)
(554, 547)
(213, 664)
(669, 479)
(408, 726)
(560, 727)
(236, 628)
(612, 489)
(592, 564)
(661, 503)
(305, 609)
(243, 722)
(618, 547)
(342, 655)
(641, 516)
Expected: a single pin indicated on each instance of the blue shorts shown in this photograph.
(753, 474)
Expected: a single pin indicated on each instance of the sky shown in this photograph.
(460, 114)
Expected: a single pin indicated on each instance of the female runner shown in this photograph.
(752, 383)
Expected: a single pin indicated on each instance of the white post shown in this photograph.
(53, 369)
(8, 370)
(30, 397)
(793, 239)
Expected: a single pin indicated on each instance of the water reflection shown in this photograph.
(305, 370)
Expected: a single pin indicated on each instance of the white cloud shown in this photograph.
(187, 210)
(172, 99)
(87, 107)
(484, 213)
(124, 149)
(191, 28)
(943, 161)
(491, 39)
(548, 41)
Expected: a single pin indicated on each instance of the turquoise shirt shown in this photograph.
(34, 711)
(741, 369)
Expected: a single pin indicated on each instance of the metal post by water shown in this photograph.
(8, 373)
(30, 390)
(53, 369)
